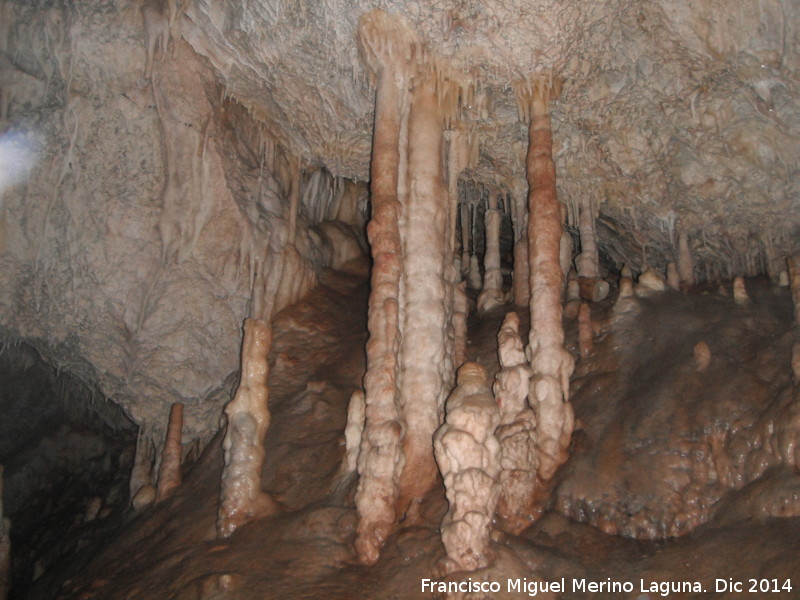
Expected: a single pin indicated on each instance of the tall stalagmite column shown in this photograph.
(588, 261)
(551, 364)
(381, 458)
(424, 375)
(248, 420)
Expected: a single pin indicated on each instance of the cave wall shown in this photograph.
(128, 252)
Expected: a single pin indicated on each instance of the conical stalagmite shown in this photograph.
(685, 263)
(516, 433)
(248, 419)
(468, 457)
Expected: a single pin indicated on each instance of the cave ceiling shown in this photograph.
(674, 114)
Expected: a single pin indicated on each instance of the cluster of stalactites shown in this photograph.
(535, 89)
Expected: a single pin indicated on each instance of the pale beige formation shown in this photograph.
(650, 282)
(468, 456)
(702, 356)
(673, 279)
(740, 295)
(169, 471)
(425, 377)
(516, 433)
(492, 294)
(142, 470)
(685, 261)
(241, 497)
(551, 364)
(587, 262)
(356, 412)
(474, 279)
(381, 458)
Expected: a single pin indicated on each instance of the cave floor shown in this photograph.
(170, 551)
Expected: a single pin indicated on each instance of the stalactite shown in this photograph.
(141, 489)
(248, 419)
(521, 289)
(169, 473)
(156, 29)
(381, 460)
(685, 262)
(425, 380)
(551, 364)
(585, 333)
(516, 433)
(467, 454)
(565, 252)
(294, 199)
(492, 294)
(5, 546)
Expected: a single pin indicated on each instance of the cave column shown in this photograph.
(593, 288)
(551, 364)
(381, 459)
(426, 370)
(492, 294)
(520, 288)
(169, 473)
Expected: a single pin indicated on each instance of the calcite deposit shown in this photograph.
(238, 213)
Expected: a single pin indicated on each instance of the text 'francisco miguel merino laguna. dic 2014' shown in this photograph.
(534, 587)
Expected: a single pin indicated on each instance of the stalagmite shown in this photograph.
(793, 264)
(142, 491)
(685, 262)
(468, 456)
(740, 291)
(702, 356)
(650, 282)
(587, 262)
(551, 364)
(425, 379)
(516, 433)
(492, 294)
(356, 411)
(585, 331)
(673, 280)
(5, 546)
(520, 288)
(380, 459)
(169, 472)
(248, 419)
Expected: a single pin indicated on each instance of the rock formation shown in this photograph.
(169, 473)
(468, 456)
